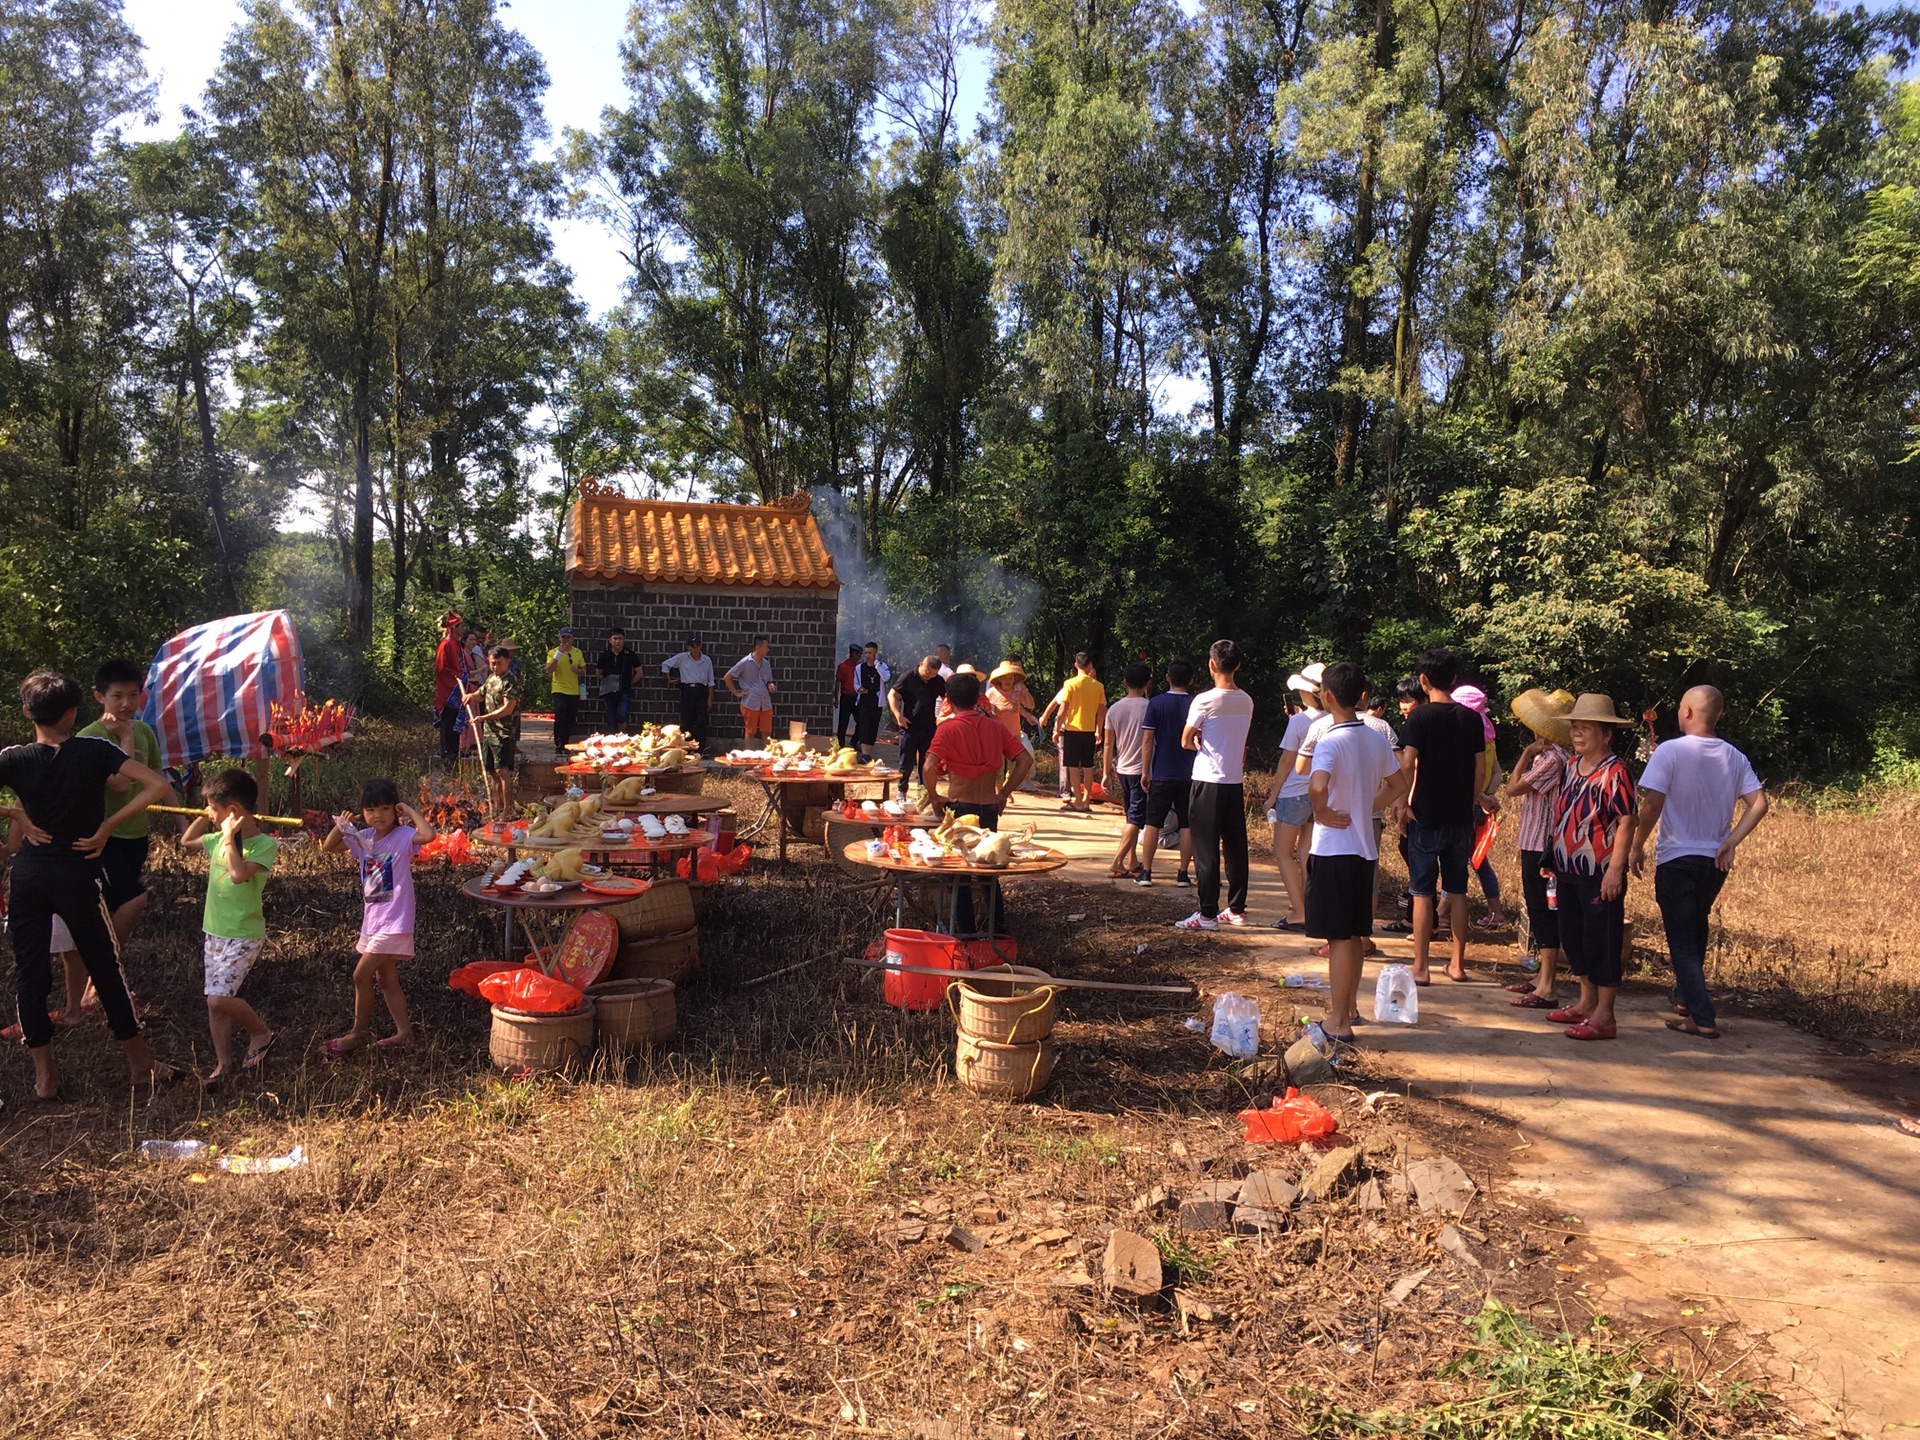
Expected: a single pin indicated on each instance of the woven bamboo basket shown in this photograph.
(665, 908)
(521, 1041)
(1015, 1071)
(1003, 1019)
(633, 1015)
(658, 957)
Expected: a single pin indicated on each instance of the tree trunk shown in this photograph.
(211, 458)
(1358, 310)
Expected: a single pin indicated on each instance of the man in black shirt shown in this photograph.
(866, 702)
(916, 701)
(61, 782)
(616, 663)
(1443, 750)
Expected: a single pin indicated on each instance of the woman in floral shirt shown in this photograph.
(1592, 823)
(1537, 777)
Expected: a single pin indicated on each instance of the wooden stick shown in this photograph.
(1035, 979)
(202, 814)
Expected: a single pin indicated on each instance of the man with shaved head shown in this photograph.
(1689, 791)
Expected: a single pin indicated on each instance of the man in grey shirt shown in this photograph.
(694, 669)
(751, 681)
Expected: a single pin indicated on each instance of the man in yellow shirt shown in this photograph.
(1083, 713)
(565, 665)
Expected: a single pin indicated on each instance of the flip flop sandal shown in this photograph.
(156, 1081)
(1689, 1027)
(1912, 1127)
(1532, 1002)
(391, 1042)
(1525, 987)
(338, 1048)
(1396, 927)
(257, 1056)
(1292, 927)
(1587, 1030)
(1567, 1016)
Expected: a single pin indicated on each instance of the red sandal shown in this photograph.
(1587, 1030)
(1567, 1016)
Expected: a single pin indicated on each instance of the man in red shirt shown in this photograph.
(970, 751)
(446, 686)
(846, 677)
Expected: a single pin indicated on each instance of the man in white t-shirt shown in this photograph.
(1292, 812)
(1216, 730)
(1689, 790)
(1354, 774)
(1124, 780)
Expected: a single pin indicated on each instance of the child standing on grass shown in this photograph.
(239, 855)
(384, 851)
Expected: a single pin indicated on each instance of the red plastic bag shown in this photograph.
(532, 992)
(468, 977)
(1295, 1118)
(1485, 846)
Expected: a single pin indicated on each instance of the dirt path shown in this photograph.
(1747, 1175)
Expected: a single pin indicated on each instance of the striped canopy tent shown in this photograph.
(211, 689)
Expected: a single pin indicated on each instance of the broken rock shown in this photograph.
(1209, 1206)
(1406, 1285)
(1158, 1198)
(963, 1239)
(1455, 1244)
(1132, 1265)
(905, 1232)
(1439, 1184)
(1327, 1173)
(1256, 1219)
(1268, 1191)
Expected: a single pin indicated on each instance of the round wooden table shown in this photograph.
(568, 901)
(835, 781)
(649, 855)
(949, 877)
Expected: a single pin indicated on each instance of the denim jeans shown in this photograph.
(1439, 853)
(1685, 890)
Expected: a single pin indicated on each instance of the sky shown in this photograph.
(580, 40)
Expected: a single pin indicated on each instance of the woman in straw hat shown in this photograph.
(1592, 824)
(1537, 777)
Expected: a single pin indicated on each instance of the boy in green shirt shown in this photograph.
(499, 697)
(239, 855)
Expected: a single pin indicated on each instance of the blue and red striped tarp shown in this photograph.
(211, 689)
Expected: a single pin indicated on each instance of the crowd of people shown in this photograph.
(77, 839)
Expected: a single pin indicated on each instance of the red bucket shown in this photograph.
(925, 949)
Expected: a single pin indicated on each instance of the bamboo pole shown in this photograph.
(202, 814)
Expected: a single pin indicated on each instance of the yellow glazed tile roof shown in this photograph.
(670, 542)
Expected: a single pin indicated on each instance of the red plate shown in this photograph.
(616, 885)
(587, 951)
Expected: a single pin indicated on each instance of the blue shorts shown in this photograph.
(1438, 852)
(1133, 799)
(1295, 810)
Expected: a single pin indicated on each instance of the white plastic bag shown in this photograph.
(1236, 1025)
(1396, 1001)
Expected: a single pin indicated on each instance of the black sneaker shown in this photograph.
(1181, 879)
(1143, 877)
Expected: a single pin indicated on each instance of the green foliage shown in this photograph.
(1529, 1386)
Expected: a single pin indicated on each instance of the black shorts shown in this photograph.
(496, 754)
(124, 864)
(1543, 922)
(1077, 749)
(1340, 897)
(1165, 795)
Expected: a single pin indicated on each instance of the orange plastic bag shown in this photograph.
(532, 992)
(1488, 832)
(468, 977)
(1290, 1120)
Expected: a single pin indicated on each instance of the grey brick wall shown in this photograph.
(799, 624)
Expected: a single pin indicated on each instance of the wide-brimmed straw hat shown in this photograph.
(1598, 709)
(1545, 713)
(1006, 668)
(1308, 677)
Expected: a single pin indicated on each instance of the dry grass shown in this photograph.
(700, 1244)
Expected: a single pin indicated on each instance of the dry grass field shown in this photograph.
(744, 1234)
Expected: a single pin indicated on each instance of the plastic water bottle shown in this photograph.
(1196, 1024)
(1553, 892)
(172, 1149)
(1303, 982)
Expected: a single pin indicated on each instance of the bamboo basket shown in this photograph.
(658, 957)
(521, 1041)
(1003, 1019)
(678, 782)
(632, 1015)
(664, 908)
(1014, 1071)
